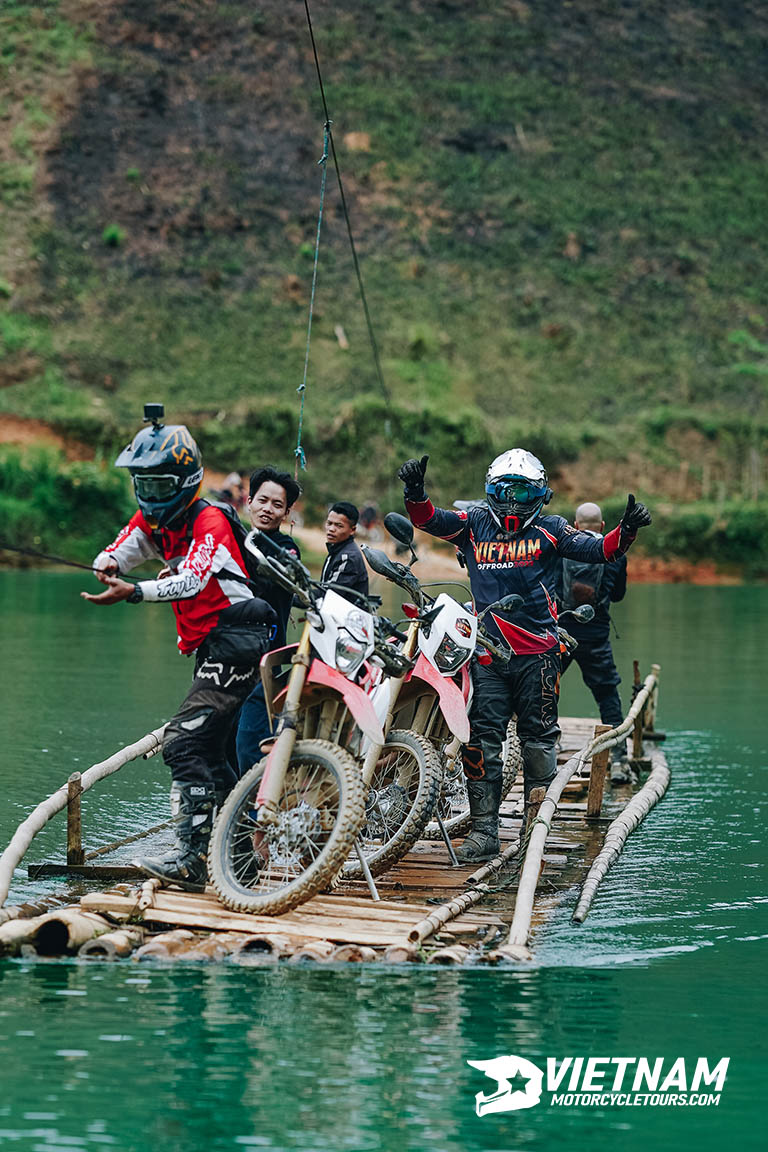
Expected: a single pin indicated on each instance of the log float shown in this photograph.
(395, 930)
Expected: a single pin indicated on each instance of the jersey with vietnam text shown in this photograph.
(499, 565)
(207, 569)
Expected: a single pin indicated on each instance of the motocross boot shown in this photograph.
(482, 843)
(186, 862)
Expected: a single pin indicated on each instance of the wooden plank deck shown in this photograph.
(410, 891)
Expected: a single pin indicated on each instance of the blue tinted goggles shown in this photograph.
(515, 490)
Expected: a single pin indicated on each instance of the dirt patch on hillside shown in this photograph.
(34, 433)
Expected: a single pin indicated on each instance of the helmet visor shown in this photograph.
(152, 487)
(514, 490)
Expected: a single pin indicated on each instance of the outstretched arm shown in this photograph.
(582, 546)
(439, 522)
(132, 546)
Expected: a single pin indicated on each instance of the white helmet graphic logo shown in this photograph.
(508, 1071)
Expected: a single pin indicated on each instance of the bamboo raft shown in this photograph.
(428, 911)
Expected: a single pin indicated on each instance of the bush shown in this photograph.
(52, 505)
(113, 236)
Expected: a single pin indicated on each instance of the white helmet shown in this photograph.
(516, 489)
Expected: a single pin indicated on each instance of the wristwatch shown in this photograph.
(136, 596)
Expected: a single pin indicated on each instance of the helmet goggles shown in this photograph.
(514, 490)
(150, 487)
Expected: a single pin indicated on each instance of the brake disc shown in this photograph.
(295, 827)
(385, 810)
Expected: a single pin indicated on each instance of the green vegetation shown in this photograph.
(51, 505)
(558, 208)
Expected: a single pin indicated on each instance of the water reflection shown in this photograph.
(341, 1059)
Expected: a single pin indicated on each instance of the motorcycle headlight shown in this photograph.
(350, 654)
(450, 656)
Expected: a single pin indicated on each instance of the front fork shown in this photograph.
(395, 684)
(273, 780)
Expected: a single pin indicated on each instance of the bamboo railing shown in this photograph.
(616, 837)
(36, 821)
(516, 947)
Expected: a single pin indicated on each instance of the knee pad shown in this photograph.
(539, 764)
(473, 761)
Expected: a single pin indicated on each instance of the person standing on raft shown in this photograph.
(509, 547)
(218, 620)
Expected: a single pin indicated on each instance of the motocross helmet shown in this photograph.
(167, 471)
(516, 489)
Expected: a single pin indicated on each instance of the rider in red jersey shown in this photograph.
(218, 619)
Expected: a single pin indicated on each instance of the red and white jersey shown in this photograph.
(207, 569)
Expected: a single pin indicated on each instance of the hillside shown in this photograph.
(558, 209)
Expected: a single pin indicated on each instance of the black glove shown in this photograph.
(635, 516)
(412, 475)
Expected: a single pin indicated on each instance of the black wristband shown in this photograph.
(136, 596)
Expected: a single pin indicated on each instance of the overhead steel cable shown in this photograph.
(355, 260)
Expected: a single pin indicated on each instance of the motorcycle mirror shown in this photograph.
(584, 613)
(378, 561)
(400, 527)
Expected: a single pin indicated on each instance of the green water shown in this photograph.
(670, 963)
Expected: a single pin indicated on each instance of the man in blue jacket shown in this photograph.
(599, 585)
(508, 546)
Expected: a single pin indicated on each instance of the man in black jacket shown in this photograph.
(272, 495)
(344, 565)
(599, 585)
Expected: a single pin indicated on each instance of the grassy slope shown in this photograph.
(560, 221)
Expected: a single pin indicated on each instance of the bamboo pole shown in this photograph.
(353, 954)
(166, 944)
(106, 848)
(36, 907)
(453, 954)
(112, 945)
(597, 775)
(459, 904)
(616, 836)
(637, 731)
(54, 933)
(26, 832)
(516, 947)
(75, 853)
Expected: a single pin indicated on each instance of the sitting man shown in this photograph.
(579, 582)
(508, 547)
(344, 565)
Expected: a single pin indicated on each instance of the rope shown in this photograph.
(356, 262)
(301, 460)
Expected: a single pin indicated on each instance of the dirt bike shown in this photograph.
(288, 826)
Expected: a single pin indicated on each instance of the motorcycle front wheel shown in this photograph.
(399, 802)
(272, 868)
(453, 802)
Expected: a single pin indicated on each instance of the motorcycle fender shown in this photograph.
(270, 661)
(355, 699)
(451, 699)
